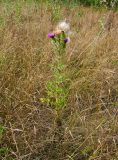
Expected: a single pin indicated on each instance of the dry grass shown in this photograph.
(89, 129)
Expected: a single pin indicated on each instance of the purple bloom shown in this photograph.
(67, 40)
(51, 35)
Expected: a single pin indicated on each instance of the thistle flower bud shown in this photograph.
(67, 40)
(51, 35)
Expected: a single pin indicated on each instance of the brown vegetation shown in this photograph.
(89, 129)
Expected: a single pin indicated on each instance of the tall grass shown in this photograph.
(90, 119)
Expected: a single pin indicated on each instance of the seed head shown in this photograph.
(63, 26)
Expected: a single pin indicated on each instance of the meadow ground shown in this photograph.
(89, 122)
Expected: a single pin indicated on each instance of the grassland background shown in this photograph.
(90, 120)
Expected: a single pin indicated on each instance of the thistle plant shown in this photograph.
(59, 37)
(57, 88)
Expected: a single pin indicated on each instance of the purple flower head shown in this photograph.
(51, 35)
(67, 40)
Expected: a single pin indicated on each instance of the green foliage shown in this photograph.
(18, 8)
(101, 25)
(86, 152)
(90, 2)
(56, 89)
(2, 22)
(11, 8)
(110, 3)
(55, 10)
(96, 3)
(115, 62)
(2, 129)
(4, 151)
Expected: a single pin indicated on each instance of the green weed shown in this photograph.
(2, 129)
(56, 89)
